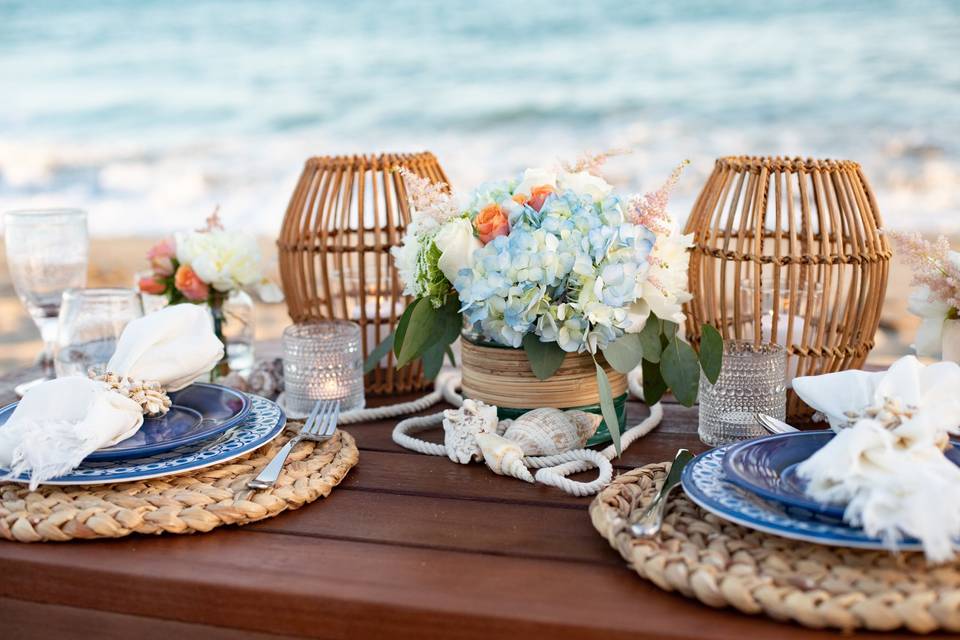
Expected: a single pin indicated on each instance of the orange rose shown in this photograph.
(491, 222)
(538, 195)
(190, 285)
(151, 285)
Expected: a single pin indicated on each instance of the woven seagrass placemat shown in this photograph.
(723, 564)
(187, 503)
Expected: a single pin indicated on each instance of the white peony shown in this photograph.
(664, 289)
(536, 178)
(456, 243)
(585, 182)
(933, 313)
(225, 260)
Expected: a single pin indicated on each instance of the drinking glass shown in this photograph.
(91, 321)
(47, 253)
(322, 361)
(752, 380)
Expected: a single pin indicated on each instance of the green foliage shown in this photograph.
(711, 352)
(650, 339)
(681, 370)
(378, 353)
(653, 385)
(606, 406)
(625, 353)
(545, 357)
(426, 332)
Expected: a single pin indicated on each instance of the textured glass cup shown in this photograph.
(752, 380)
(47, 253)
(322, 361)
(91, 321)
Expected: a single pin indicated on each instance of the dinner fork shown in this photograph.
(773, 425)
(319, 426)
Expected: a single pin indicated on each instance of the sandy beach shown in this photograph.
(114, 261)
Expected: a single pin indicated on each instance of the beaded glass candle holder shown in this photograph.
(323, 361)
(752, 380)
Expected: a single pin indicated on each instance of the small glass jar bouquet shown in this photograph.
(208, 266)
(552, 263)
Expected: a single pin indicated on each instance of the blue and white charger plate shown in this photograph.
(264, 423)
(706, 485)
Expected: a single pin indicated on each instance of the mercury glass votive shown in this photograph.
(323, 361)
(752, 380)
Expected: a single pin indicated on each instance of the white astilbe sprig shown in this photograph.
(591, 162)
(934, 265)
(650, 209)
(430, 200)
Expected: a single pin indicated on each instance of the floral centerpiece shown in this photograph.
(552, 263)
(206, 266)
(936, 296)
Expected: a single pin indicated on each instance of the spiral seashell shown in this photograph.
(462, 426)
(546, 432)
(503, 456)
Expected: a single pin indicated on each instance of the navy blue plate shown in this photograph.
(199, 411)
(767, 467)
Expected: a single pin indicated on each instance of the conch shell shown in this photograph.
(462, 426)
(547, 432)
(504, 457)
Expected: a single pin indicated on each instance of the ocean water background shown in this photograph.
(149, 113)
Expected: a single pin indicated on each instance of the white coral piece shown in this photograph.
(462, 426)
(504, 457)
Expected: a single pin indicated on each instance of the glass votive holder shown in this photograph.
(752, 380)
(322, 361)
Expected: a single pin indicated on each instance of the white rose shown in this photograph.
(536, 178)
(585, 182)
(929, 340)
(456, 243)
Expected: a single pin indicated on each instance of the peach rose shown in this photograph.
(151, 285)
(190, 285)
(538, 195)
(491, 222)
(161, 257)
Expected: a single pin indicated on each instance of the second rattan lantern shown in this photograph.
(790, 251)
(345, 215)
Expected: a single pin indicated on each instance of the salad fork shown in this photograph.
(319, 426)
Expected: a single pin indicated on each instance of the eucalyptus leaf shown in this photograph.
(653, 385)
(681, 370)
(451, 355)
(650, 339)
(401, 330)
(624, 353)
(378, 353)
(711, 352)
(544, 357)
(433, 360)
(668, 328)
(421, 331)
(607, 408)
(450, 321)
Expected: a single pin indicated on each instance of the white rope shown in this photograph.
(552, 470)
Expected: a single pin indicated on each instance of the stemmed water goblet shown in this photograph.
(47, 252)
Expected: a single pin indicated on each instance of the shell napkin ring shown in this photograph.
(151, 397)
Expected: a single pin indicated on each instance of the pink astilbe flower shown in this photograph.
(213, 222)
(431, 199)
(650, 210)
(591, 162)
(934, 265)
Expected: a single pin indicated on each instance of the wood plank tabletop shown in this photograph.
(408, 546)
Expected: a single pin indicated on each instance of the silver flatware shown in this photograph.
(319, 426)
(650, 521)
(773, 425)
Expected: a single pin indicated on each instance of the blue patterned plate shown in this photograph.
(264, 422)
(768, 467)
(199, 412)
(706, 485)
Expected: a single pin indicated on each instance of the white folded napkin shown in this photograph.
(60, 422)
(886, 462)
(174, 346)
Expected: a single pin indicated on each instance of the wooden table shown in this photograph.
(409, 546)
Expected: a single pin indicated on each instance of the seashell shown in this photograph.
(151, 397)
(546, 432)
(462, 426)
(504, 457)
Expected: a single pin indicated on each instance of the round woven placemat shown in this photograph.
(188, 503)
(723, 564)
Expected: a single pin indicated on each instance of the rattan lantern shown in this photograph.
(790, 251)
(345, 215)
